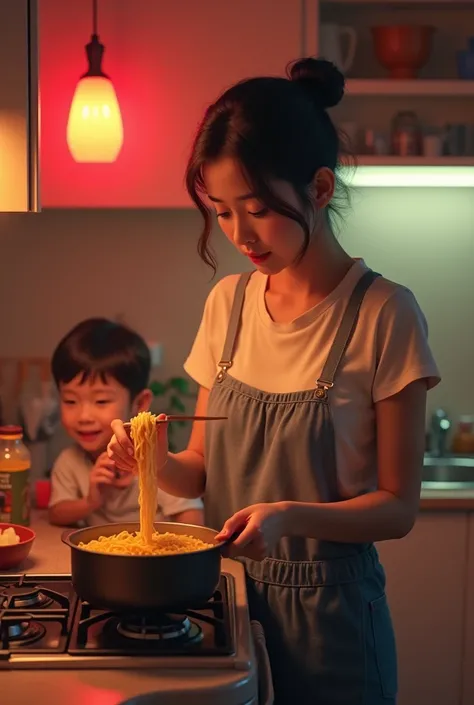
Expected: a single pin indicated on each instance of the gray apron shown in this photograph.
(322, 604)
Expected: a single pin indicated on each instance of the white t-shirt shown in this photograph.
(70, 481)
(388, 350)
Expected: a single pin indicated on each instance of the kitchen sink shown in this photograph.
(449, 461)
(448, 473)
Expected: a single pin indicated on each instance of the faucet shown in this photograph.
(440, 425)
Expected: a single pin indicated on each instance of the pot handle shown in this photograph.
(224, 544)
(266, 695)
(65, 536)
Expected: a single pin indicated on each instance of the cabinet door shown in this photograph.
(18, 106)
(468, 662)
(426, 577)
(168, 61)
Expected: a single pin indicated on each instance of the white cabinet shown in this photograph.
(441, 98)
(468, 661)
(18, 106)
(426, 579)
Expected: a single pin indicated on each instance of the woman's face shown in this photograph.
(271, 241)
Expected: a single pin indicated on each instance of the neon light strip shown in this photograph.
(411, 176)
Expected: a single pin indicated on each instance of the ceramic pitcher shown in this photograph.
(331, 40)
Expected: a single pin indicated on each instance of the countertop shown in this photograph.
(447, 500)
(50, 555)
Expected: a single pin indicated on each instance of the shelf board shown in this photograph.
(418, 87)
(412, 172)
(388, 160)
(407, 3)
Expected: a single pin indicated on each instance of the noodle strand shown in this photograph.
(147, 541)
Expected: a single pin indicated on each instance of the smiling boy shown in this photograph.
(102, 370)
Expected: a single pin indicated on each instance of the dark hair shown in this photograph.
(98, 347)
(277, 128)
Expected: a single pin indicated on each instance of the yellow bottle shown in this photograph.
(15, 463)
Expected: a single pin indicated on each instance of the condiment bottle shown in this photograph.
(15, 464)
(463, 439)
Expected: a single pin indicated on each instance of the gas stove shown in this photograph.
(56, 648)
(44, 624)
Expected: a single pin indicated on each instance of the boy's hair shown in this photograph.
(98, 347)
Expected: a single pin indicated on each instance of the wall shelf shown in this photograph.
(389, 160)
(416, 87)
(407, 175)
(405, 3)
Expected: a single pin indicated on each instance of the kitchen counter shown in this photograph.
(447, 500)
(50, 555)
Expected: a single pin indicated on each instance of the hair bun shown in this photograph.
(321, 79)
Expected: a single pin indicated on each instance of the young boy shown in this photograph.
(102, 371)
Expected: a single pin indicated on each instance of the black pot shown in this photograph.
(144, 582)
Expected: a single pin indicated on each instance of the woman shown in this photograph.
(322, 367)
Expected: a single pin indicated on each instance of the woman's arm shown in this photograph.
(184, 474)
(179, 474)
(390, 511)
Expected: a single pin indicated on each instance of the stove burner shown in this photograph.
(163, 627)
(29, 596)
(21, 633)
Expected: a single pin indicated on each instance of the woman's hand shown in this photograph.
(259, 528)
(122, 452)
(120, 448)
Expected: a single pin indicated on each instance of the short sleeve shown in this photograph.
(201, 363)
(403, 351)
(63, 482)
(170, 505)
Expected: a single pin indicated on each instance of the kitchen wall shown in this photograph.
(61, 266)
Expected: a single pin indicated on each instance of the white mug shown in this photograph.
(330, 45)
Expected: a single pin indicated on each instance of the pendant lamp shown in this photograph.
(94, 128)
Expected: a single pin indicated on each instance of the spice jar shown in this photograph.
(406, 135)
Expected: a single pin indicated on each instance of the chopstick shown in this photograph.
(177, 417)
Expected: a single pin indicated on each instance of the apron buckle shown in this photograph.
(224, 365)
(322, 388)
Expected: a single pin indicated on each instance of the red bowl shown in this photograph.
(403, 49)
(11, 556)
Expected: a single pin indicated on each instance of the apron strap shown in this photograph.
(234, 323)
(344, 333)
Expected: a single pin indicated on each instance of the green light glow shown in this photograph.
(411, 176)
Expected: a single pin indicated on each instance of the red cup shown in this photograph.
(42, 493)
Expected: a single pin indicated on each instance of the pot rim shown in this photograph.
(68, 533)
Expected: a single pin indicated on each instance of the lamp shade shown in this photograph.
(95, 128)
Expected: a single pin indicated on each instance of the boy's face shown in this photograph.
(89, 407)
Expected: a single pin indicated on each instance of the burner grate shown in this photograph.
(19, 628)
(203, 630)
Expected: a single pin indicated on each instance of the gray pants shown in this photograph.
(328, 630)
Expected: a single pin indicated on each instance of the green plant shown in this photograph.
(173, 394)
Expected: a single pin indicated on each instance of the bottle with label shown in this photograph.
(463, 441)
(15, 463)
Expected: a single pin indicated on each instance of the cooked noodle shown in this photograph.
(128, 544)
(147, 541)
(143, 434)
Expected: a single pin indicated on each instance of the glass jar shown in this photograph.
(407, 139)
(463, 439)
(15, 464)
